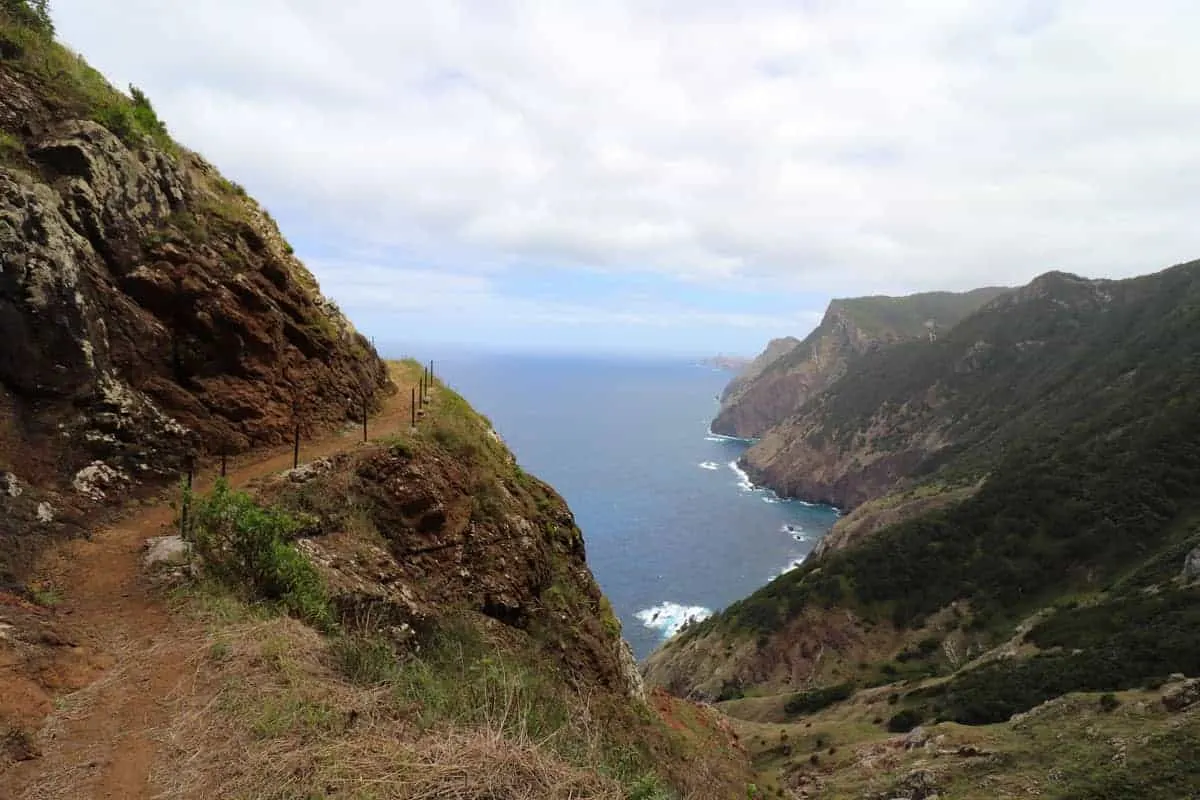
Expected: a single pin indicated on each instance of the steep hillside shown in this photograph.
(1034, 534)
(737, 388)
(407, 618)
(149, 309)
(789, 372)
(1020, 367)
(1066, 413)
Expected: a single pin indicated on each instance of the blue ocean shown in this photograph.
(673, 528)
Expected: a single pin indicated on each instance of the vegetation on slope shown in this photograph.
(183, 323)
(65, 80)
(1078, 403)
(446, 656)
(1110, 746)
(1091, 450)
(789, 372)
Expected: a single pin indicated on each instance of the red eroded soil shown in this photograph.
(113, 651)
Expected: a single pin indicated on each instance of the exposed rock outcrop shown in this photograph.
(1182, 695)
(1191, 566)
(404, 535)
(149, 311)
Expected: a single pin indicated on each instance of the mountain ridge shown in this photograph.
(1028, 514)
(790, 371)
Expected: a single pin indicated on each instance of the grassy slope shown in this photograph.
(788, 371)
(1071, 748)
(905, 317)
(1091, 453)
(468, 705)
(1090, 447)
(892, 318)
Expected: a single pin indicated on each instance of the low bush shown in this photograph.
(249, 547)
(817, 699)
(904, 721)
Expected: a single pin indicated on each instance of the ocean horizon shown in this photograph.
(674, 529)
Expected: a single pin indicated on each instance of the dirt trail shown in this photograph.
(99, 742)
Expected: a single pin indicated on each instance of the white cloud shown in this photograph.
(420, 295)
(852, 147)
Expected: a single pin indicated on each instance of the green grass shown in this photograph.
(248, 547)
(67, 79)
(12, 151)
(459, 679)
(1168, 765)
(288, 714)
(46, 596)
(365, 660)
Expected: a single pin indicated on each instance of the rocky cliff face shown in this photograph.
(149, 310)
(900, 410)
(790, 372)
(410, 534)
(738, 418)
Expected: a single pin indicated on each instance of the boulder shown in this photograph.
(1191, 566)
(920, 784)
(171, 551)
(1182, 695)
(9, 485)
(916, 738)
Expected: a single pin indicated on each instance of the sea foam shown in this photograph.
(793, 564)
(720, 437)
(710, 465)
(669, 618)
(744, 483)
(795, 531)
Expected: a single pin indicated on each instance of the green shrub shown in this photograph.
(1120, 643)
(31, 14)
(1109, 702)
(731, 690)
(817, 699)
(11, 148)
(132, 119)
(248, 546)
(904, 721)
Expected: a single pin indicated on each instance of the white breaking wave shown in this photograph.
(669, 618)
(710, 465)
(720, 437)
(793, 564)
(770, 498)
(744, 482)
(795, 531)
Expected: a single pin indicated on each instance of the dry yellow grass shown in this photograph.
(264, 714)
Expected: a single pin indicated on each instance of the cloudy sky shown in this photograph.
(692, 176)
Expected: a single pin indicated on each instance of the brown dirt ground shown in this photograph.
(99, 694)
